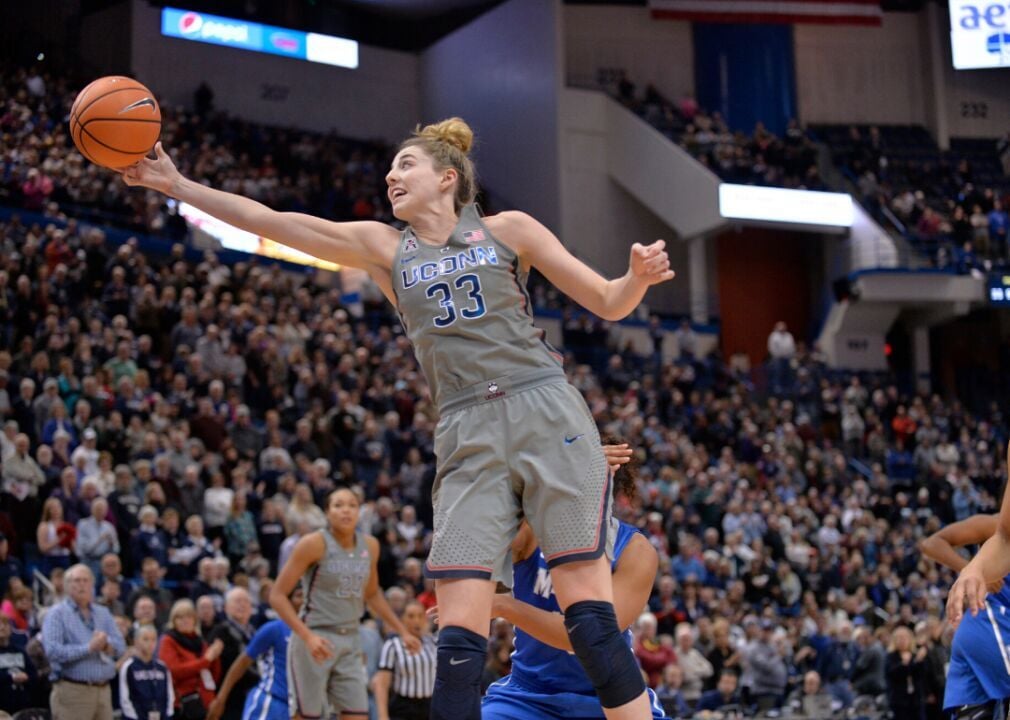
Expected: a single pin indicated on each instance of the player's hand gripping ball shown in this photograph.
(115, 121)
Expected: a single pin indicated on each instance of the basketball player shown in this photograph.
(546, 681)
(990, 566)
(513, 437)
(337, 567)
(978, 680)
(269, 650)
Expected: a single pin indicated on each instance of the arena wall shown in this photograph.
(977, 102)
(502, 73)
(104, 57)
(657, 52)
(378, 100)
(863, 74)
(601, 220)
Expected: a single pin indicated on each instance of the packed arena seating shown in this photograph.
(760, 158)
(787, 519)
(289, 169)
(950, 204)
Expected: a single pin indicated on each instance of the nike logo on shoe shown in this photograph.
(570, 440)
(454, 661)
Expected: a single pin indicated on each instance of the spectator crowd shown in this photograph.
(951, 205)
(171, 426)
(758, 158)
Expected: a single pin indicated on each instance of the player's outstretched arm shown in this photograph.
(610, 299)
(992, 563)
(357, 244)
(633, 581)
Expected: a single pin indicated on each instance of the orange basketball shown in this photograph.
(115, 121)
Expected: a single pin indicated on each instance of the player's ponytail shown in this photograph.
(448, 143)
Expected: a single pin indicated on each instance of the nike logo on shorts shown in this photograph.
(454, 661)
(570, 440)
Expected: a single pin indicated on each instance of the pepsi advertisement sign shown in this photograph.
(980, 33)
(243, 35)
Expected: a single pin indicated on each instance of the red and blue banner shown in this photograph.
(822, 12)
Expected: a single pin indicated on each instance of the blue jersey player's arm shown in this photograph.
(992, 563)
(264, 638)
(634, 577)
(941, 546)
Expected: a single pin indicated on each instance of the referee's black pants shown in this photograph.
(404, 708)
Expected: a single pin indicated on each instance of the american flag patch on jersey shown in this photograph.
(473, 236)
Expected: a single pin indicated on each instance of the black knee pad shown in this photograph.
(604, 653)
(460, 664)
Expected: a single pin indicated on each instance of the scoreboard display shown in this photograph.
(999, 289)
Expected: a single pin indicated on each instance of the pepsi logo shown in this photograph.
(190, 23)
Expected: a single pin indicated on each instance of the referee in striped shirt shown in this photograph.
(404, 682)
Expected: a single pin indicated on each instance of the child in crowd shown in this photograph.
(145, 685)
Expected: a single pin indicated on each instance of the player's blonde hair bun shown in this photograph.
(448, 143)
(453, 131)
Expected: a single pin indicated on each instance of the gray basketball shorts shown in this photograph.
(337, 685)
(535, 453)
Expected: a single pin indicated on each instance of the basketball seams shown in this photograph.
(111, 128)
(113, 149)
(81, 148)
(119, 120)
(138, 86)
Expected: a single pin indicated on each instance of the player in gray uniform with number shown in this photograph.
(336, 566)
(513, 438)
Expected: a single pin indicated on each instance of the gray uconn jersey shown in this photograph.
(334, 587)
(465, 308)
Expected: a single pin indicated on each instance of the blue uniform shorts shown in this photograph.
(506, 700)
(261, 705)
(979, 664)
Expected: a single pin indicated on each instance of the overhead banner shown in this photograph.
(979, 34)
(256, 37)
(821, 12)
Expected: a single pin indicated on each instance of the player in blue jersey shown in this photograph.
(269, 650)
(547, 680)
(978, 681)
